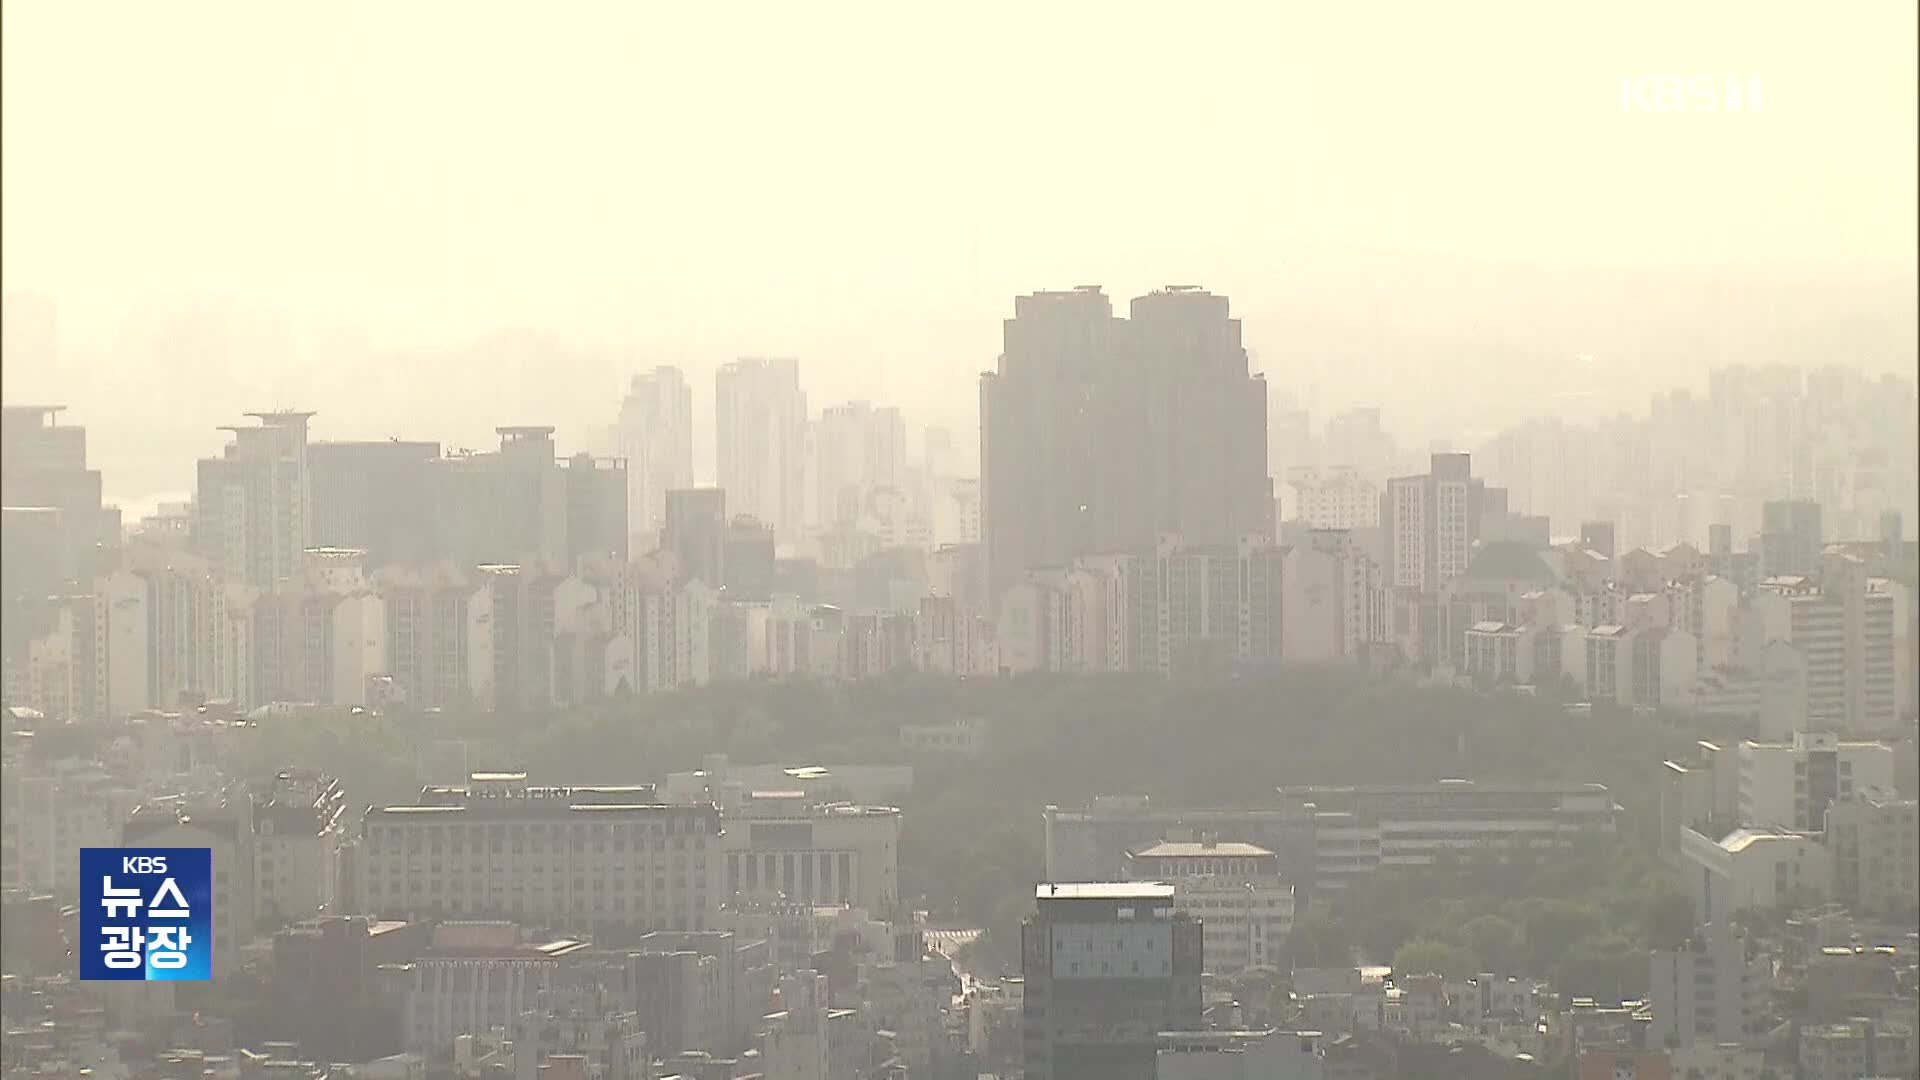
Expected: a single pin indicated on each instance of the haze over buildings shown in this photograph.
(642, 544)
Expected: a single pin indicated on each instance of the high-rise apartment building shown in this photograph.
(1100, 434)
(760, 421)
(1108, 967)
(511, 641)
(43, 468)
(654, 433)
(857, 449)
(253, 508)
(429, 617)
(1334, 604)
(1431, 522)
(1336, 497)
(1844, 632)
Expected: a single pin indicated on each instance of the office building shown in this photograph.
(377, 497)
(253, 507)
(1108, 967)
(582, 857)
(1233, 888)
(1356, 830)
(1790, 537)
(695, 534)
(1100, 434)
(654, 433)
(747, 564)
(1792, 783)
(1598, 537)
(521, 506)
(1324, 838)
(782, 845)
(760, 416)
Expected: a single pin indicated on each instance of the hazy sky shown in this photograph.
(866, 186)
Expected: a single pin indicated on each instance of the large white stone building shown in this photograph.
(576, 856)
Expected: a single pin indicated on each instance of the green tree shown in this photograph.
(1495, 940)
(1319, 940)
(1429, 957)
(1667, 921)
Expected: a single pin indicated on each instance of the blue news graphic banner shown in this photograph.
(146, 914)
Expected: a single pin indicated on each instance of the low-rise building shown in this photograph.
(1854, 1049)
(1240, 1055)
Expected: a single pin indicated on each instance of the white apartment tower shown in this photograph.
(254, 504)
(760, 421)
(655, 434)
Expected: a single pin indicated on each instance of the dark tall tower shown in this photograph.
(1100, 434)
(1205, 419)
(1790, 537)
(1108, 967)
(696, 534)
(376, 496)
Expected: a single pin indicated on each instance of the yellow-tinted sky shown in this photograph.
(866, 185)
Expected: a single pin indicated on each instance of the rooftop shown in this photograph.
(1201, 849)
(1741, 839)
(1103, 890)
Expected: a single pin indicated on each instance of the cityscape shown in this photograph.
(606, 545)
